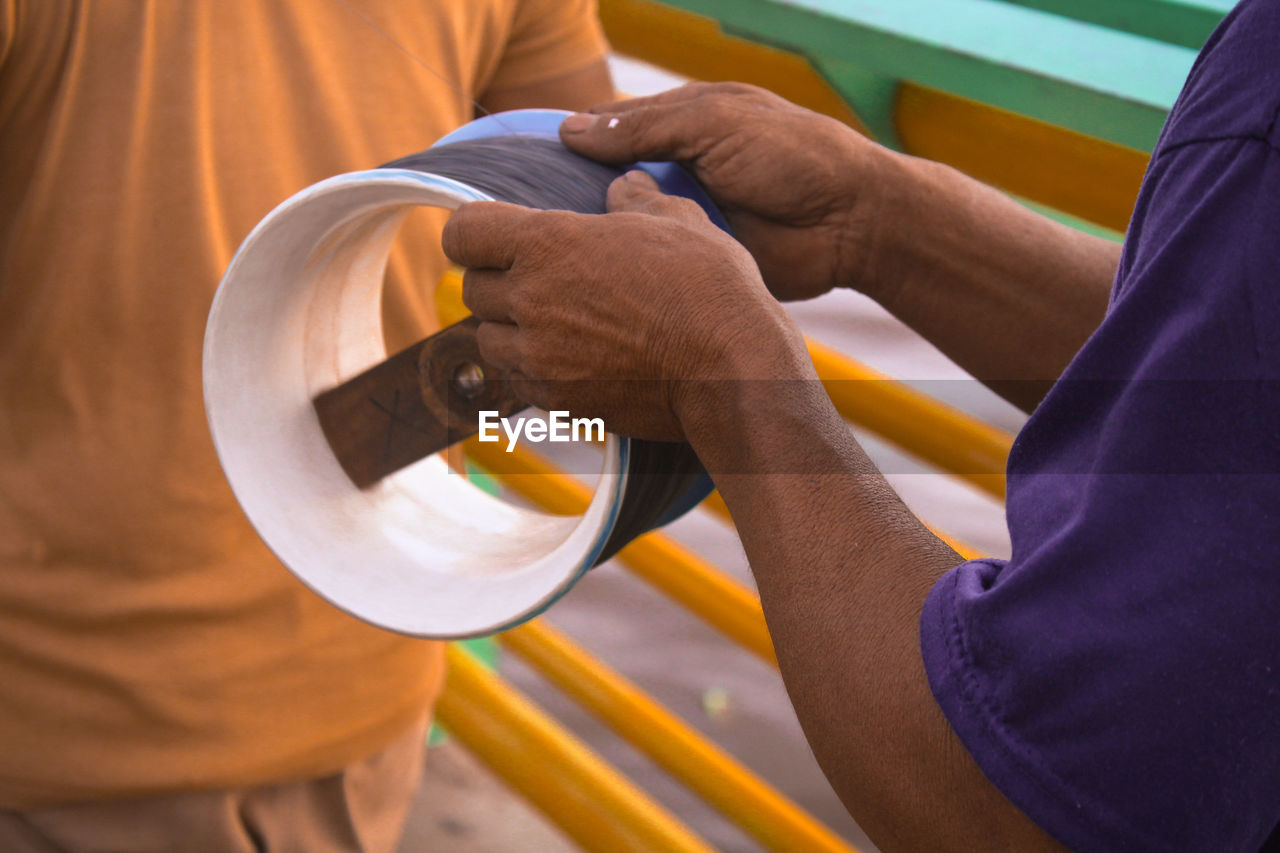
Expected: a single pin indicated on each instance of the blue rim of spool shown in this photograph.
(672, 179)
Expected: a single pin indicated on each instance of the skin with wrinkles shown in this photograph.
(515, 281)
(798, 222)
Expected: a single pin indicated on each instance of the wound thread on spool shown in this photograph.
(524, 170)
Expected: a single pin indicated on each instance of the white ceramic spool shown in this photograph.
(423, 552)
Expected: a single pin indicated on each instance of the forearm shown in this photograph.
(1008, 294)
(843, 568)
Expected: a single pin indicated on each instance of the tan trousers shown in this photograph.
(360, 809)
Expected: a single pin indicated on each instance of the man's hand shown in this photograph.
(619, 316)
(797, 188)
(1008, 294)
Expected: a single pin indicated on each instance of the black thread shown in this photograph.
(527, 170)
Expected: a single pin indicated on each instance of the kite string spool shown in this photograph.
(543, 174)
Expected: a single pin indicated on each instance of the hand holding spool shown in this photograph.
(661, 301)
(297, 315)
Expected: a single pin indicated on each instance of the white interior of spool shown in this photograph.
(422, 552)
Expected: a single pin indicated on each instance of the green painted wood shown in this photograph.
(1182, 22)
(871, 96)
(1109, 84)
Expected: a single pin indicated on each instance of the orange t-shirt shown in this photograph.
(148, 640)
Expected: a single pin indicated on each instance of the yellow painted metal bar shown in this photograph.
(1081, 175)
(450, 308)
(937, 433)
(593, 803)
(1077, 174)
(724, 603)
(755, 806)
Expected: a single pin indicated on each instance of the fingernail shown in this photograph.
(578, 123)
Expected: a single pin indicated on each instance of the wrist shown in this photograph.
(763, 362)
(882, 222)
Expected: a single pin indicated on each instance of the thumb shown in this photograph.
(632, 192)
(654, 131)
(638, 192)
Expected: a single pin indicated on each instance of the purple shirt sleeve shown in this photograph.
(1119, 677)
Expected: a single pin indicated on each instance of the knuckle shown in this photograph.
(657, 206)
(487, 336)
(682, 206)
(531, 363)
(522, 306)
(617, 193)
(556, 230)
(484, 339)
(536, 227)
(732, 87)
(497, 346)
(529, 237)
(643, 125)
(719, 110)
(674, 207)
(709, 89)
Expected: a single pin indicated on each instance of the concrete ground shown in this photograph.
(725, 692)
(463, 808)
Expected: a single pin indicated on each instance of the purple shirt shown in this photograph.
(1119, 677)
